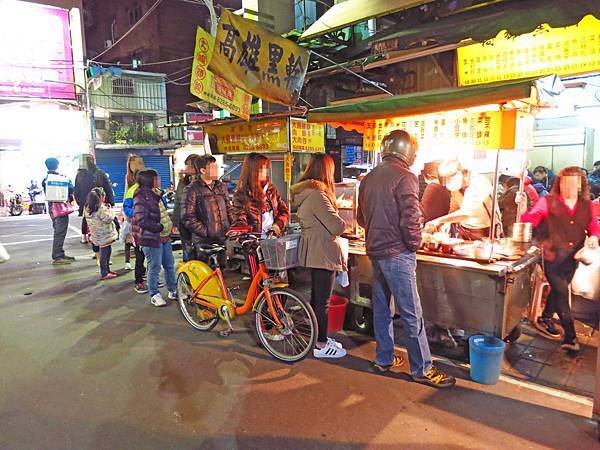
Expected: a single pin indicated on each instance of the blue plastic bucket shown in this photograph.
(486, 354)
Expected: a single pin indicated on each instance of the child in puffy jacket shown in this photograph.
(100, 219)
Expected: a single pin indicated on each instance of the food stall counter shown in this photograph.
(460, 293)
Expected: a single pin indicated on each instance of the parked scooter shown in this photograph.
(15, 206)
(37, 204)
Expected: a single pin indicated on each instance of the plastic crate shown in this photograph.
(280, 253)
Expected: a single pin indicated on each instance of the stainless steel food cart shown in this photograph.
(460, 293)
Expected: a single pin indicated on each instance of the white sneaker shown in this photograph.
(128, 266)
(157, 300)
(83, 239)
(172, 296)
(334, 343)
(329, 351)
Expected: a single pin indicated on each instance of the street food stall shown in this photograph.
(287, 141)
(481, 286)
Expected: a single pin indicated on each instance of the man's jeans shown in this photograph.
(155, 257)
(61, 226)
(396, 276)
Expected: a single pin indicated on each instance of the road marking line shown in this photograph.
(586, 401)
(37, 240)
(76, 230)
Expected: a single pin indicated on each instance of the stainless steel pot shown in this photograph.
(522, 232)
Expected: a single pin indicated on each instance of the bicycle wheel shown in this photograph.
(297, 337)
(198, 316)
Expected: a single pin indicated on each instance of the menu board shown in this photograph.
(561, 51)
(477, 131)
(308, 137)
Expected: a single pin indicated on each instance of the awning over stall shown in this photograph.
(352, 12)
(439, 100)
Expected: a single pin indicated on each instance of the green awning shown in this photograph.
(425, 102)
(352, 12)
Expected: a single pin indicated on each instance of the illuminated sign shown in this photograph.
(258, 136)
(562, 51)
(469, 130)
(307, 137)
(35, 55)
(269, 135)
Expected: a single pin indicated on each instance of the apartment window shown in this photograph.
(100, 124)
(134, 14)
(123, 86)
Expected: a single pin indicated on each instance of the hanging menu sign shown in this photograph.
(477, 131)
(561, 51)
(307, 137)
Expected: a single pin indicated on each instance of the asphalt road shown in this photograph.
(90, 365)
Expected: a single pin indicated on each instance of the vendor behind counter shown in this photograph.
(470, 203)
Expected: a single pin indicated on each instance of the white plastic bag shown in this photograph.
(586, 281)
(4, 256)
(126, 230)
(342, 277)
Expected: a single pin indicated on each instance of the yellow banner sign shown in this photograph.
(260, 62)
(260, 136)
(207, 86)
(307, 137)
(288, 162)
(562, 51)
(454, 129)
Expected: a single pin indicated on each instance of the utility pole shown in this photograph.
(89, 112)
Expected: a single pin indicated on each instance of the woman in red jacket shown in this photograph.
(568, 214)
(256, 202)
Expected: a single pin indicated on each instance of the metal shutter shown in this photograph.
(162, 164)
(114, 163)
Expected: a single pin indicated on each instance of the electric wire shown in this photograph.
(156, 63)
(135, 25)
(351, 72)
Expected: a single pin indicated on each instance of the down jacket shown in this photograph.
(246, 211)
(206, 212)
(389, 210)
(321, 226)
(146, 218)
(102, 226)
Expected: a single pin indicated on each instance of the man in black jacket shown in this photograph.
(389, 211)
(205, 207)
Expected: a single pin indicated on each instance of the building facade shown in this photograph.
(167, 34)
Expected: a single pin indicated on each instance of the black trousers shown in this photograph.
(559, 274)
(128, 247)
(322, 288)
(105, 260)
(140, 270)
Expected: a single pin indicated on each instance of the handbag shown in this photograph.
(60, 209)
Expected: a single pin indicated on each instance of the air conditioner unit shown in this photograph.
(107, 43)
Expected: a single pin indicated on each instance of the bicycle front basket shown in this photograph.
(280, 253)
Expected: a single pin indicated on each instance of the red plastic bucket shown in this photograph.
(336, 313)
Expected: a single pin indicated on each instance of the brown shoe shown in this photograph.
(397, 361)
(436, 378)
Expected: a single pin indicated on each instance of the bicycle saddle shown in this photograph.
(210, 248)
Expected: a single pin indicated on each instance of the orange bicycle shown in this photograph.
(285, 323)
